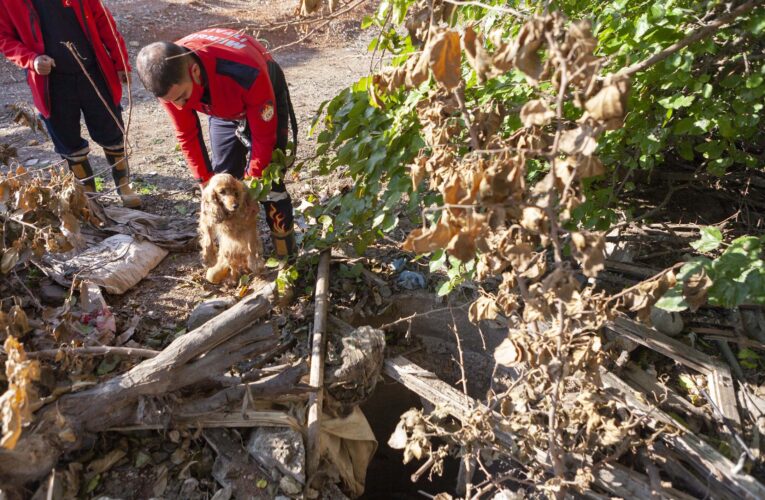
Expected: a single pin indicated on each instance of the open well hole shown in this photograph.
(431, 344)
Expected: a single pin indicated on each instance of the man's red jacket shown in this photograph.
(239, 87)
(21, 41)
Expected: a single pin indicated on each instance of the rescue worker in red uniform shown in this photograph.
(230, 77)
(32, 36)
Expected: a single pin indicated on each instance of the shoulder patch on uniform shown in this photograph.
(267, 111)
(244, 74)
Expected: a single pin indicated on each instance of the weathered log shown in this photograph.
(248, 418)
(285, 382)
(203, 352)
(316, 376)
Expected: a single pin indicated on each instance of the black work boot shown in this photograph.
(121, 175)
(278, 207)
(80, 167)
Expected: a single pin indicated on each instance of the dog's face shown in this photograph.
(223, 196)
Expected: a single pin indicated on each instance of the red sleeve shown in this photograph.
(261, 116)
(10, 45)
(107, 30)
(188, 130)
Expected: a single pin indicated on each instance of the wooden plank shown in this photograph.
(427, 385)
(631, 269)
(723, 392)
(663, 344)
(649, 385)
(719, 379)
(248, 418)
(710, 463)
(610, 477)
(316, 374)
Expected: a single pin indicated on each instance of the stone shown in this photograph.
(753, 321)
(280, 449)
(52, 294)
(207, 310)
(223, 494)
(289, 486)
(189, 487)
(668, 323)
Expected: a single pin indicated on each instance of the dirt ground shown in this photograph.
(316, 69)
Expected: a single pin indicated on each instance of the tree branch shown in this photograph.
(693, 37)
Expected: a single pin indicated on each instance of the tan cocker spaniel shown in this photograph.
(228, 230)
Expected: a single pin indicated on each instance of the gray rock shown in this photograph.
(668, 323)
(207, 310)
(189, 487)
(280, 449)
(223, 494)
(289, 486)
(753, 321)
(52, 294)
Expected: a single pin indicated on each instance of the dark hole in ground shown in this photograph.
(432, 347)
(387, 477)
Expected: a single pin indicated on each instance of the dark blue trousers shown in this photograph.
(72, 97)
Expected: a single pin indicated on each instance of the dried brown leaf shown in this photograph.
(695, 290)
(106, 462)
(534, 220)
(610, 103)
(425, 241)
(508, 353)
(476, 54)
(483, 308)
(589, 250)
(536, 113)
(16, 402)
(581, 140)
(9, 259)
(444, 58)
(462, 246)
(590, 166)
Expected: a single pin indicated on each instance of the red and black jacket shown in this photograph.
(237, 87)
(21, 41)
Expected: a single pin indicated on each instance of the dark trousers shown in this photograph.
(72, 97)
(230, 155)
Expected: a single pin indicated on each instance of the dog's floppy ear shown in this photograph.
(211, 204)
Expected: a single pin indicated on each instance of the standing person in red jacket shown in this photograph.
(231, 78)
(32, 35)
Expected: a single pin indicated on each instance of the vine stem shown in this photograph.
(695, 36)
(459, 94)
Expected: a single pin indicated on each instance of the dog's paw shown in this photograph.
(216, 275)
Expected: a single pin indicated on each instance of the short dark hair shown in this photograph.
(161, 65)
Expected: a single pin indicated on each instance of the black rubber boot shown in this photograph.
(80, 167)
(121, 176)
(279, 215)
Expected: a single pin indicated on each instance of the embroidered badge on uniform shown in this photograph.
(267, 111)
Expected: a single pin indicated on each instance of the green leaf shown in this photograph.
(262, 484)
(673, 300)
(677, 101)
(711, 238)
(754, 81)
(93, 483)
(747, 353)
(445, 288)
